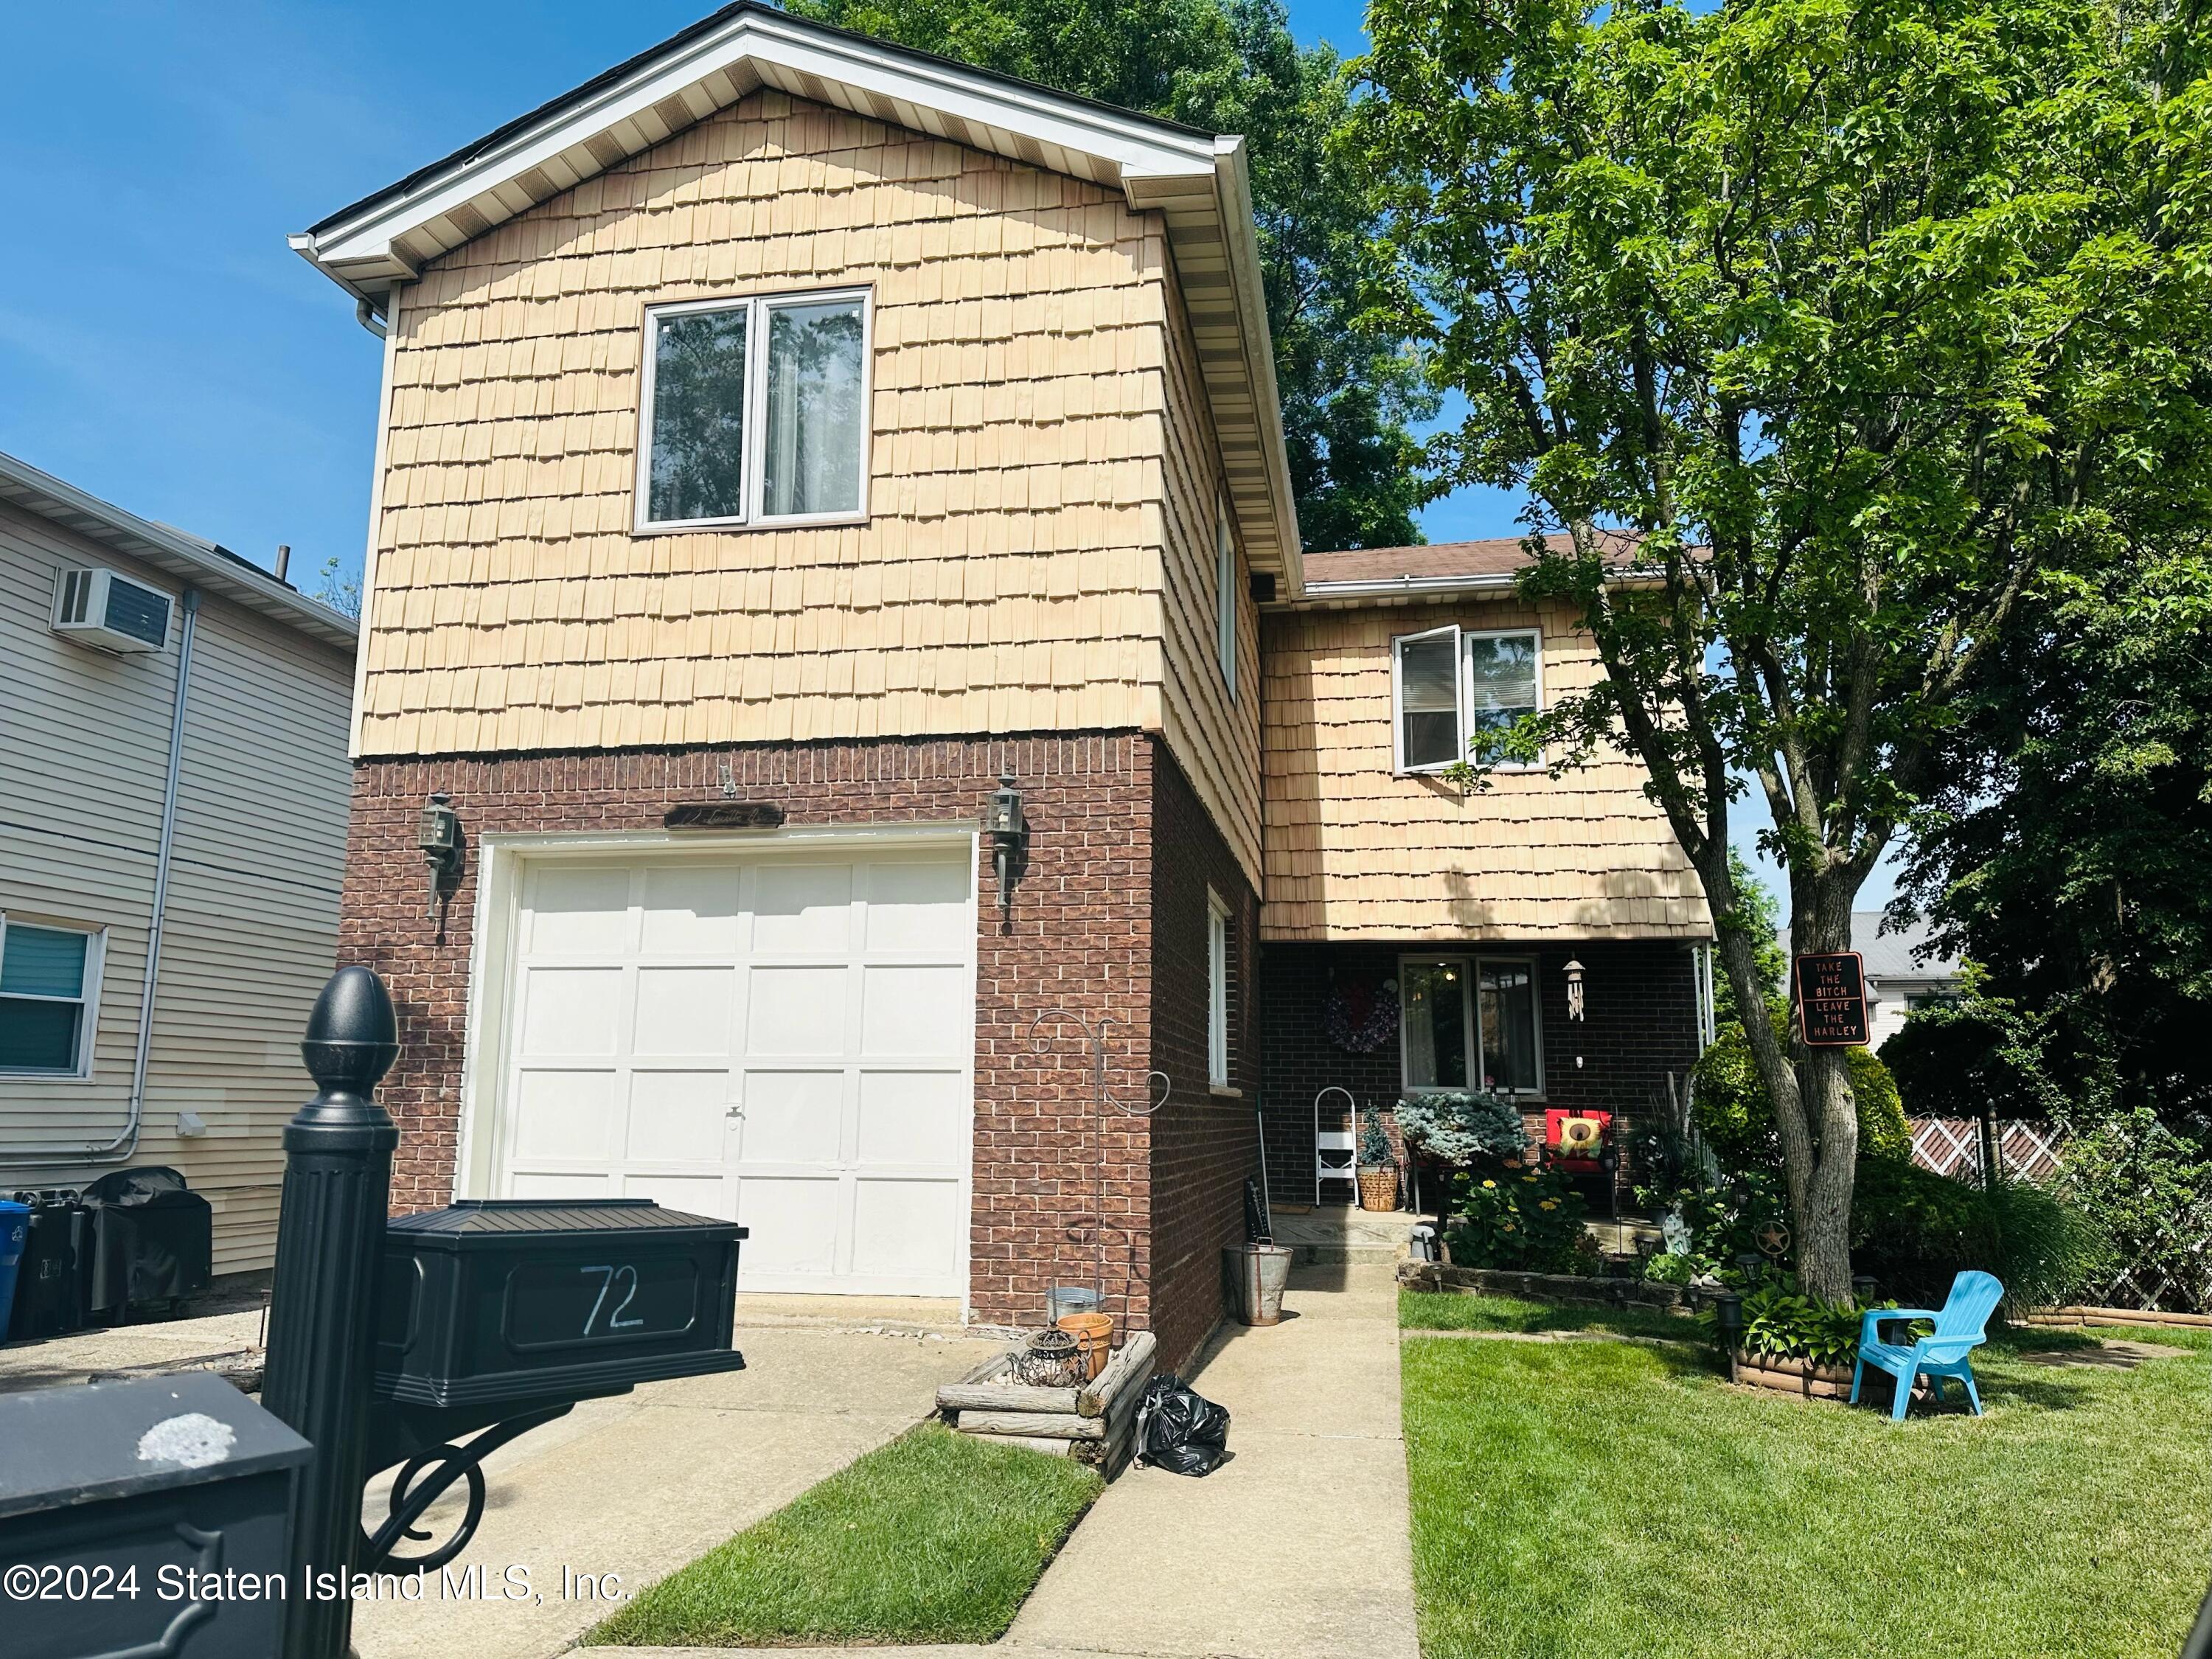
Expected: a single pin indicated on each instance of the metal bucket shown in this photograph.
(1262, 1272)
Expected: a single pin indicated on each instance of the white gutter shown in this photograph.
(121, 1148)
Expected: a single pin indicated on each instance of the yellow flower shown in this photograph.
(1528, 1178)
(1490, 1183)
(1549, 1204)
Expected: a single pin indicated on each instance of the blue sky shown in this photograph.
(160, 346)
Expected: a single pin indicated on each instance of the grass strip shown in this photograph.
(934, 1537)
(1432, 1311)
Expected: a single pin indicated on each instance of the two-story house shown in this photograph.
(173, 790)
(782, 436)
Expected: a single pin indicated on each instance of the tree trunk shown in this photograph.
(1815, 1118)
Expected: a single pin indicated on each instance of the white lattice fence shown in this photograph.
(1952, 1146)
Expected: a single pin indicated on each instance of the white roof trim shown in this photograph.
(1191, 175)
(202, 564)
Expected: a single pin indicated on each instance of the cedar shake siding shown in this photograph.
(1017, 569)
(1355, 851)
(1083, 939)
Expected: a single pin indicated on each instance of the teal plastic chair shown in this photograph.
(1962, 1326)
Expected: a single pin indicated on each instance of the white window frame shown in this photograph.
(1467, 689)
(1224, 598)
(1398, 644)
(1470, 966)
(1217, 990)
(758, 307)
(95, 954)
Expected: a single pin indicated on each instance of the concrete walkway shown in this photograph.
(1296, 1549)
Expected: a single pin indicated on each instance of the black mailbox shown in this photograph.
(144, 1516)
(494, 1301)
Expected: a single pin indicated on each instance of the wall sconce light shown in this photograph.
(440, 838)
(1009, 830)
(1575, 1004)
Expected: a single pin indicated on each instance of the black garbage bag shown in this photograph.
(1179, 1429)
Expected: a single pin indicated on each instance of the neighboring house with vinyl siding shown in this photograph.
(253, 813)
(794, 426)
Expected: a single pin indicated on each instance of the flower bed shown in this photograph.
(1801, 1378)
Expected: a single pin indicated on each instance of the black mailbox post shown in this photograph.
(388, 1341)
(146, 1517)
(516, 1302)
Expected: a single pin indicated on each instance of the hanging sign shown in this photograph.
(1832, 1009)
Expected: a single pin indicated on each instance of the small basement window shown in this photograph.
(755, 411)
(1217, 991)
(48, 998)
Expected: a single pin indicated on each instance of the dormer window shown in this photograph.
(755, 411)
(1451, 686)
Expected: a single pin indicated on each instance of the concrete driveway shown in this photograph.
(638, 1486)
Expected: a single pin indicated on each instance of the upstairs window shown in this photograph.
(1225, 599)
(1451, 687)
(49, 998)
(755, 412)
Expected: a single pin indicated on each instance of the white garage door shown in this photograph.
(782, 1040)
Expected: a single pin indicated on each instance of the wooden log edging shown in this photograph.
(2086, 1315)
(1095, 1422)
(1440, 1276)
(1798, 1377)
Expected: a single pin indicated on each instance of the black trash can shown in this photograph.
(50, 1283)
(152, 1243)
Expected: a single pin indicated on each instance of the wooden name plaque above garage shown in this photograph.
(1832, 1009)
(725, 815)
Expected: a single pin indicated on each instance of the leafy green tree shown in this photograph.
(1858, 316)
(1349, 389)
(2068, 849)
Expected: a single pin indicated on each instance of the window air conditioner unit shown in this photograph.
(107, 608)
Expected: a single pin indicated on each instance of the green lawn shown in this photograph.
(936, 1537)
(1616, 1499)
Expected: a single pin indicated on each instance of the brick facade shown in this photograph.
(1641, 1025)
(1083, 938)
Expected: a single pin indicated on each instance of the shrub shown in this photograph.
(1916, 1231)
(1530, 1219)
(1668, 1268)
(1457, 1127)
(1374, 1143)
(1733, 1112)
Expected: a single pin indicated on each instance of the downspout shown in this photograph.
(119, 1149)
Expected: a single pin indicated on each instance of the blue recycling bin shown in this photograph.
(14, 1227)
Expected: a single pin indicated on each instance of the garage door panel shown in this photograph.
(784, 1037)
(919, 907)
(803, 909)
(548, 1184)
(677, 1117)
(694, 1194)
(921, 1011)
(685, 1011)
(796, 1010)
(793, 1117)
(905, 1229)
(793, 1225)
(564, 1114)
(691, 909)
(578, 910)
(912, 1118)
(571, 1011)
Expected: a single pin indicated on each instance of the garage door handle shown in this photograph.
(735, 1111)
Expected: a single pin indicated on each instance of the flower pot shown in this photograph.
(1378, 1189)
(1094, 1334)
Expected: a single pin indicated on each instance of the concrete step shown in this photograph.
(1348, 1253)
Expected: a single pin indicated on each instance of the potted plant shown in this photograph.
(1379, 1168)
(1453, 1129)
